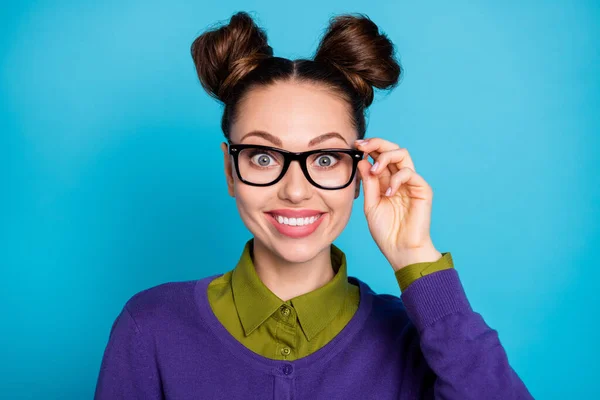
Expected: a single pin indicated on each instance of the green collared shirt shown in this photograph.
(292, 329)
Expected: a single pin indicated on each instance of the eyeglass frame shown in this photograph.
(289, 156)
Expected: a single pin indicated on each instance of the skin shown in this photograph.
(294, 113)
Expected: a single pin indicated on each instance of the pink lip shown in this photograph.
(286, 212)
(295, 231)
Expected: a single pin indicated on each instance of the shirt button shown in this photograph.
(285, 311)
(288, 369)
(285, 351)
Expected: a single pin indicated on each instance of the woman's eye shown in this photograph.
(262, 159)
(326, 160)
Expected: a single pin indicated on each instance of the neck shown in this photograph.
(288, 279)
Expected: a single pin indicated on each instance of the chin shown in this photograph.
(299, 254)
(298, 251)
(294, 250)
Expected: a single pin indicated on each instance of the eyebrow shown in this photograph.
(275, 140)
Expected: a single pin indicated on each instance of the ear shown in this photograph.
(228, 167)
(357, 191)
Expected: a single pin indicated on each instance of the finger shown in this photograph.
(371, 187)
(384, 177)
(395, 160)
(367, 154)
(377, 146)
(415, 183)
(374, 154)
(381, 172)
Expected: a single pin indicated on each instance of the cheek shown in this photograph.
(340, 202)
(251, 200)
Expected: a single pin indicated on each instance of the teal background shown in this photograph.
(111, 175)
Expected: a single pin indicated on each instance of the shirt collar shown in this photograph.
(255, 302)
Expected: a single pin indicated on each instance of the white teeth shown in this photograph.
(296, 221)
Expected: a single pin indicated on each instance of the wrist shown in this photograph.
(417, 255)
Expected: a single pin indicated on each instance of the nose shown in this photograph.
(294, 185)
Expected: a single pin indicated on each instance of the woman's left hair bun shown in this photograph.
(225, 55)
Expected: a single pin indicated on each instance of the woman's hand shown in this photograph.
(397, 204)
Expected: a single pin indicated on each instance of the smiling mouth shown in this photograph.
(289, 221)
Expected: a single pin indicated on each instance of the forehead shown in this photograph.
(295, 113)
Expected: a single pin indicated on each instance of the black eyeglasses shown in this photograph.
(328, 169)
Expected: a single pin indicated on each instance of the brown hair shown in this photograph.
(351, 59)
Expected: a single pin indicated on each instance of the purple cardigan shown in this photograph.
(428, 344)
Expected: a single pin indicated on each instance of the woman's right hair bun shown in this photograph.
(353, 45)
(225, 55)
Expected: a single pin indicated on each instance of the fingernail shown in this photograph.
(362, 142)
(374, 167)
(388, 192)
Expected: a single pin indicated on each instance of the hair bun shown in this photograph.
(354, 46)
(225, 55)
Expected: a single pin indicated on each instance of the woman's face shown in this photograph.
(292, 115)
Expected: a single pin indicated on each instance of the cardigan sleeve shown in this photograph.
(407, 275)
(128, 369)
(463, 352)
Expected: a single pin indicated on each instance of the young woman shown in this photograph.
(288, 322)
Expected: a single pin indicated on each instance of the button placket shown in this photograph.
(286, 315)
(286, 331)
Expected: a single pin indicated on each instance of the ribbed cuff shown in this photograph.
(434, 296)
(407, 275)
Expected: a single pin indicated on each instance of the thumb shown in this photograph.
(371, 189)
